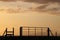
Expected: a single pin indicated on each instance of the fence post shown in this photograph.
(13, 31)
(6, 32)
(20, 31)
(48, 32)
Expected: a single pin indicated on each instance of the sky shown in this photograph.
(36, 13)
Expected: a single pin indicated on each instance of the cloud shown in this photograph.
(7, 0)
(41, 7)
(52, 8)
(42, 1)
(37, 1)
(16, 7)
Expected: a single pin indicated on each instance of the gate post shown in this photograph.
(13, 31)
(6, 32)
(48, 32)
(20, 31)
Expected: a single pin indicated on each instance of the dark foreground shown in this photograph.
(30, 38)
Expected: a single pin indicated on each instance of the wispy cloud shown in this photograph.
(8, 0)
(16, 7)
(52, 8)
(37, 1)
(41, 1)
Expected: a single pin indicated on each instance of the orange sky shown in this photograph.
(16, 14)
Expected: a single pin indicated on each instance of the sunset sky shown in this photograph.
(36, 13)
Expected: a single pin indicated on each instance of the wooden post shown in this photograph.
(13, 31)
(21, 31)
(6, 32)
(48, 32)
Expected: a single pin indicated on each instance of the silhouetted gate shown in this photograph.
(35, 31)
(8, 33)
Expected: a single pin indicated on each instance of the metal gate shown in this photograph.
(35, 31)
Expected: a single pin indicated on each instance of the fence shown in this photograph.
(35, 31)
(31, 31)
(8, 33)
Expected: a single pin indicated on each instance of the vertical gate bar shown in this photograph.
(41, 32)
(35, 31)
(21, 31)
(28, 31)
(48, 32)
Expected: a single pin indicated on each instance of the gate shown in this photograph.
(35, 31)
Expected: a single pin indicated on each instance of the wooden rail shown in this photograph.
(8, 33)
